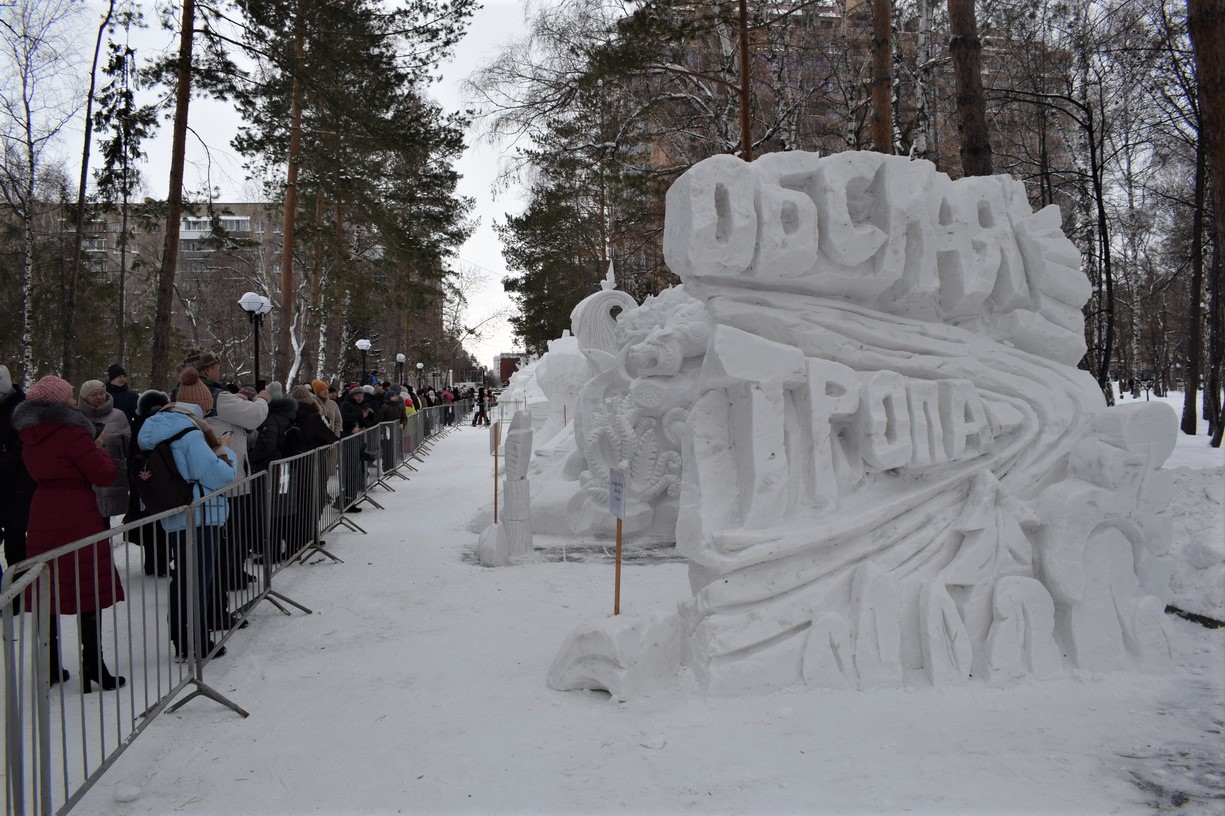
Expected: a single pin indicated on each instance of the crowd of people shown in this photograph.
(72, 463)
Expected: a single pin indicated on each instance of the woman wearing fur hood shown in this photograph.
(67, 462)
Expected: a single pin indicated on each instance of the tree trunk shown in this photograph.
(123, 282)
(882, 76)
(921, 146)
(160, 369)
(287, 356)
(313, 328)
(1216, 340)
(74, 273)
(746, 77)
(966, 53)
(1206, 21)
(1195, 312)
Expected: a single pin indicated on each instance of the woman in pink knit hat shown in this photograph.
(66, 462)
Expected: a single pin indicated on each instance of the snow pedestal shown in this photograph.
(509, 540)
(890, 470)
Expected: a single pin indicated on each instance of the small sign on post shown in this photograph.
(616, 493)
(616, 506)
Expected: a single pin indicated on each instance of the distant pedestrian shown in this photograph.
(98, 406)
(117, 386)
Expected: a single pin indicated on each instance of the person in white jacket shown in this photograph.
(244, 533)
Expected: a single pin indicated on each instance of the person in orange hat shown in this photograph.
(331, 409)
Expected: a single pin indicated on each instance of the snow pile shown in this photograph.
(1197, 582)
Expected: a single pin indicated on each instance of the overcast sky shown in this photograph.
(217, 165)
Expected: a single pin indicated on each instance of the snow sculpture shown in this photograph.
(510, 538)
(631, 415)
(592, 318)
(561, 374)
(892, 472)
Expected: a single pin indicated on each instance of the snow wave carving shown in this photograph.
(890, 467)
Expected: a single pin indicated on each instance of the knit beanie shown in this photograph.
(200, 359)
(6, 381)
(193, 391)
(357, 389)
(115, 370)
(275, 390)
(369, 389)
(51, 389)
(90, 387)
(320, 387)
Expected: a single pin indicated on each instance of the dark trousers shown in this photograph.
(351, 473)
(14, 516)
(207, 542)
(242, 538)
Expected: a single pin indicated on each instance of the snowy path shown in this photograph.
(418, 687)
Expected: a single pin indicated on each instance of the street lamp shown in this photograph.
(256, 306)
(420, 369)
(363, 346)
(400, 369)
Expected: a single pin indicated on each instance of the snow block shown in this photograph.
(624, 655)
(1022, 642)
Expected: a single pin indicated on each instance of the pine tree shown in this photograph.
(124, 126)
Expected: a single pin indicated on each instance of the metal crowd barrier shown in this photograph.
(67, 719)
(163, 634)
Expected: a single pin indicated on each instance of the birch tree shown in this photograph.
(39, 96)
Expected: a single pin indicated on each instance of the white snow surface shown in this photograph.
(418, 686)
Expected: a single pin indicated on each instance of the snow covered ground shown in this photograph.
(418, 687)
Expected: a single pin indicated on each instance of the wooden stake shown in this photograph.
(564, 419)
(497, 432)
(617, 580)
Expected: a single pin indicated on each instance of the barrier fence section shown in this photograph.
(97, 642)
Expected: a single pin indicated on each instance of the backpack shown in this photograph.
(293, 442)
(158, 482)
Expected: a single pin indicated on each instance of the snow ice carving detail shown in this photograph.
(632, 413)
(890, 467)
(626, 439)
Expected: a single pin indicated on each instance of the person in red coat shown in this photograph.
(66, 461)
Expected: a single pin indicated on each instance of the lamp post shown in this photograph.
(420, 369)
(256, 306)
(363, 346)
(400, 369)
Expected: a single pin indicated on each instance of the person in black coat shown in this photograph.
(307, 475)
(117, 386)
(356, 417)
(16, 486)
(270, 436)
(151, 538)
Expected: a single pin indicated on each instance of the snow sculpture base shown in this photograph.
(890, 467)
